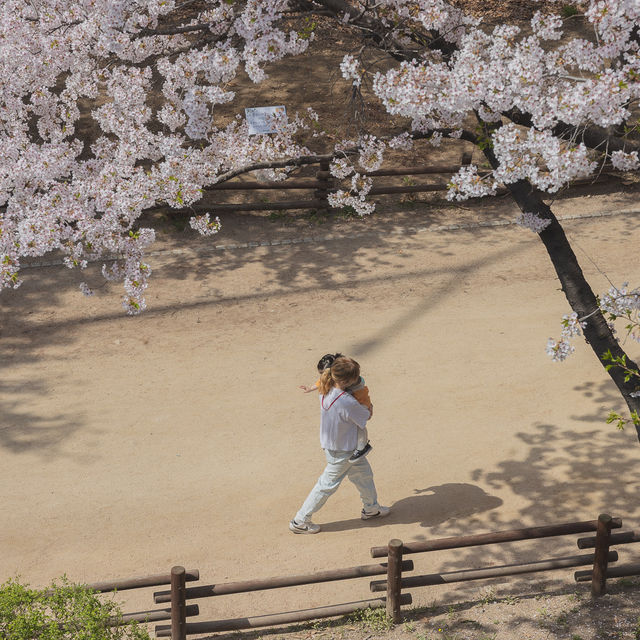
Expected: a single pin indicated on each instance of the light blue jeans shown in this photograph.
(338, 467)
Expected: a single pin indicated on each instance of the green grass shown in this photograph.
(372, 619)
(63, 611)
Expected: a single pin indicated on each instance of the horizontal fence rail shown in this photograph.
(322, 183)
(156, 615)
(138, 582)
(511, 535)
(625, 537)
(416, 171)
(492, 572)
(269, 206)
(302, 615)
(206, 591)
(619, 571)
(250, 186)
(179, 611)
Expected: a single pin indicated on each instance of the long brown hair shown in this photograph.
(343, 371)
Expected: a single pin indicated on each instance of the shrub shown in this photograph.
(62, 612)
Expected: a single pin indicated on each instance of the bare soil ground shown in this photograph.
(129, 445)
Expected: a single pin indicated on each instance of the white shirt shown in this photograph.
(340, 417)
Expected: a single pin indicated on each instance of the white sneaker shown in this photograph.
(380, 512)
(304, 527)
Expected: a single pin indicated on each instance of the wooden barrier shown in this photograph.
(603, 536)
(621, 571)
(269, 206)
(625, 537)
(465, 575)
(139, 582)
(394, 583)
(323, 182)
(289, 184)
(511, 535)
(206, 591)
(156, 615)
(178, 605)
(290, 617)
(394, 580)
(180, 629)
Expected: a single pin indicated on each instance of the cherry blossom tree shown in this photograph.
(542, 110)
(543, 107)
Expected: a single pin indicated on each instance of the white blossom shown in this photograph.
(625, 161)
(559, 350)
(160, 141)
(404, 141)
(341, 168)
(468, 184)
(204, 225)
(86, 290)
(351, 70)
(532, 221)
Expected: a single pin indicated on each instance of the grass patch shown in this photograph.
(372, 619)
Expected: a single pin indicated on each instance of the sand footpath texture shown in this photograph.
(129, 445)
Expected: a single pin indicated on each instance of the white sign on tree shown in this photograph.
(265, 119)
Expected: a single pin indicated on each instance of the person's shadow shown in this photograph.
(428, 507)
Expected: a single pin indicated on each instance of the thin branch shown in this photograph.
(143, 33)
(278, 164)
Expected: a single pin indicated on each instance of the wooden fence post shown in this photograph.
(323, 175)
(394, 578)
(178, 604)
(603, 539)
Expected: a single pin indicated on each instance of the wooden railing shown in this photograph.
(322, 183)
(395, 581)
(183, 629)
(599, 559)
(140, 582)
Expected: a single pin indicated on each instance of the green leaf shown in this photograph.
(64, 611)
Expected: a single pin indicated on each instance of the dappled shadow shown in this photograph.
(23, 431)
(603, 392)
(428, 507)
(565, 476)
(356, 268)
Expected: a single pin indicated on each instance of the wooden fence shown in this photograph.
(323, 183)
(139, 582)
(395, 580)
(599, 559)
(184, 629)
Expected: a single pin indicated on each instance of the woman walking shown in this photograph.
(341, 416)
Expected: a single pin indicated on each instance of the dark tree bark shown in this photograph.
(577, 290)
(574, 285)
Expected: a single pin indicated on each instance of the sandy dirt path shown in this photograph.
(128, 445)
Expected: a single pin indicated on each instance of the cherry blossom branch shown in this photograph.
(143, 33)
(592, 136)
(279, 164)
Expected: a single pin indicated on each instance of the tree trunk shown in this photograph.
(574, 285)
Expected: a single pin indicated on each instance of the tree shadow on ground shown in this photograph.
(23, 335)
(566, 475)
(428, 507)
(605, 394)
(22, 431)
